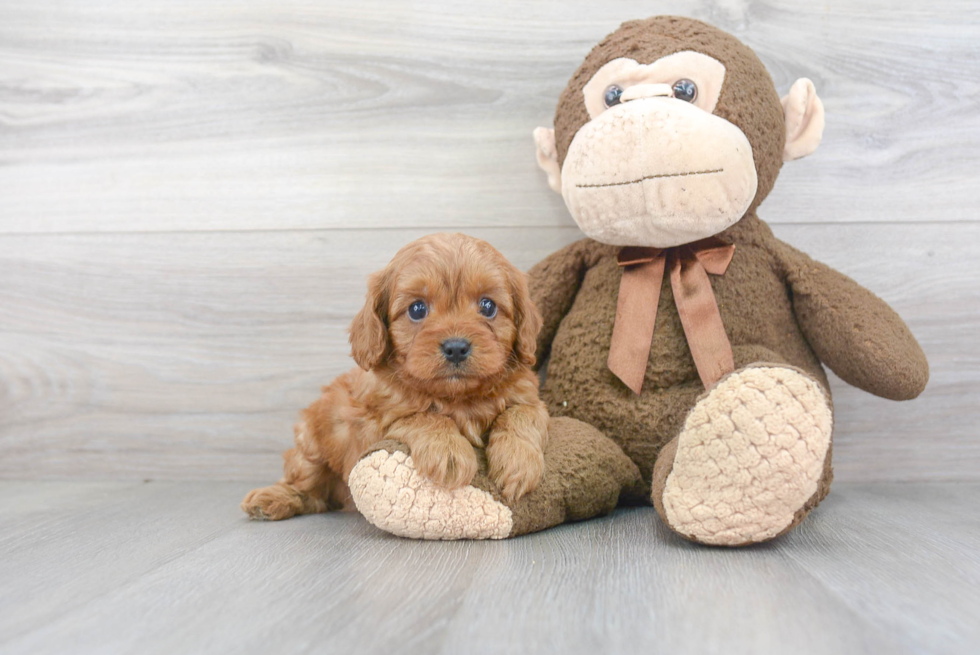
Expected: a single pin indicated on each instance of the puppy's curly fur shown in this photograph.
(409, 388)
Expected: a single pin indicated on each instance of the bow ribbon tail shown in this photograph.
(636, 315)
(700, 318)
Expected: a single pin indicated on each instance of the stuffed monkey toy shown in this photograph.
(684, 342)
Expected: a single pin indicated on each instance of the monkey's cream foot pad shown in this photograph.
(393, 496)
(750, 455)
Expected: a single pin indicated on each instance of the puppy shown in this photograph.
(445, 345)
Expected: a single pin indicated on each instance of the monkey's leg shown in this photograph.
(306, 488)
(752, 459)
(584, 474)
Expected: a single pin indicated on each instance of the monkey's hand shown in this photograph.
(855, 332)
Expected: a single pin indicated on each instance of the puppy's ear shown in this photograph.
(369, 330)
(527, 319)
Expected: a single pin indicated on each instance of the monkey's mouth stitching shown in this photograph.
(649, 177)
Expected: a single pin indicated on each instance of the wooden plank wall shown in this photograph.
(192, 192)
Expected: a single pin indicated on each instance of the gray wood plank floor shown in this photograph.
(175, 568)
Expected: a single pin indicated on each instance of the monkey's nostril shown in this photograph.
(455, 350)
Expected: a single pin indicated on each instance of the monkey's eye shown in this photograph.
(418, 310)
(488, 307)
(611, 97)
(685, 90)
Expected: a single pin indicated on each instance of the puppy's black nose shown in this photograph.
(455, 350)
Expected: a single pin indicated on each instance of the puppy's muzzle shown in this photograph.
(456, 350)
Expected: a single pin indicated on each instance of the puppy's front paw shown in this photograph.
(271, 503)
(449, 461)
(516, 465)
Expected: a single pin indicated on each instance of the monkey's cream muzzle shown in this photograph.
(657, 171)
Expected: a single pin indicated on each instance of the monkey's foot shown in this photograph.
(584, 474)
(392, 495)
(749, 462)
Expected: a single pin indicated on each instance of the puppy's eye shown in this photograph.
(418, 310)
(488, 307)
(685, 90)
(611, 96)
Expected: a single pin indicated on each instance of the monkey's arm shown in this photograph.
(853, 331)
(554, 283)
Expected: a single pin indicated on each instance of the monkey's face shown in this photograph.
(654, 166)
(671, 131)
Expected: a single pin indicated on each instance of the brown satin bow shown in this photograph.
(639, 294)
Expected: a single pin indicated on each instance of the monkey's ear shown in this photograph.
(369, 329)
(544, 139)
(804, 120)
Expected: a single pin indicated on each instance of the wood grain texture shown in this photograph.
(853, 548)
(189, 355)
(185, 115)
(76, 542)
(191, 194)
(886, 568)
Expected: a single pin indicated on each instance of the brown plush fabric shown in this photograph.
(661, 469)
(872, 350)
(748, 98)
(585, 476)
(392, 446)
(778, 306)
(773, 301)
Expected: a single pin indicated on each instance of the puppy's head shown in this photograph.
(448, 314)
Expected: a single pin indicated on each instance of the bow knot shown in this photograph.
(639, 295)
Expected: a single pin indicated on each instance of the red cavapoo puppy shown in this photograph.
(445, 346)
